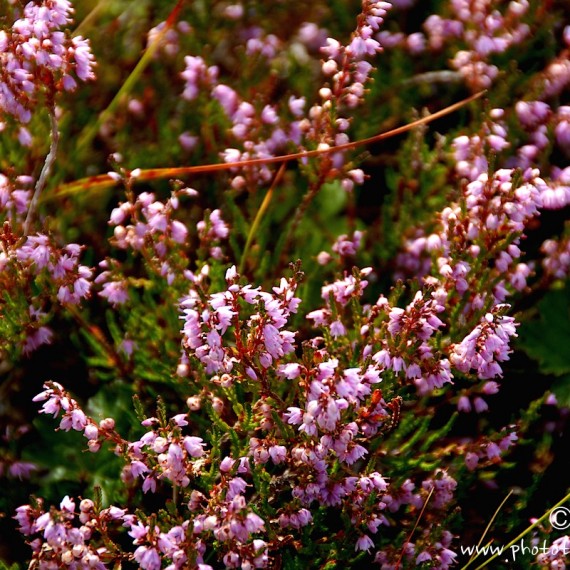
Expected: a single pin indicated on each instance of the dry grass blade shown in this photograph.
(475, 554)
(103, 181)
(90, 131)
(408, 540)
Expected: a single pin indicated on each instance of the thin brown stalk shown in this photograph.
(102, 181)
(409, 538)
(46, 169)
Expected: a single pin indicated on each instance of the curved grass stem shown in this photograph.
(475, 554)
(103, 181)
(259, 216)
(91, 17)
(46, 169)
(409, 538)
(521, 535)
(91, 131)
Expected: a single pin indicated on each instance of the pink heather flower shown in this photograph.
(67, 505)
(194, 446)
(364, 543)
(254, 523)
(551, 400)
(56, 400)
(424, 556)
(227, 98)
(78, 420)
(231, 560)
(277, 343)
(363, 45)
(25, 520)
(21, 469)
(251, 372)
(463, 404)
(138, 468)
(149, 484)
(197, 75)
(493, 451)
(148, 558)
(337, 329)
(446, 557)
(278, 453)
(226, 464)
(188, 142)
(296, 105)
(471, 460)
(508, 441)
(480, 405)
(293, 415)
(236, 486)
(180, 420)
(289, 371)
(490, 387)
(42, 335)
(115, 292)
(353, 454)
(345, 246)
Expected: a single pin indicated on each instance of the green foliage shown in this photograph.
(543, 337)
(4, 566)
(76, 470)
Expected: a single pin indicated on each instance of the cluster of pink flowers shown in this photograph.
(262, 131)
(557, 556)
(345, 247)
(556, 262)
(35, 55)
(152, 220)
(62, 541)
(486, 31)
(346, 64)
(14, 198)
(39, 260)
(480, 26)
(493, 209)
(71, 278)
(148, 227)
(165, 453)
(405, 341)
(261, 342)
(485, 346)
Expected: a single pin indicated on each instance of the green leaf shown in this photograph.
(331, 199)
(115, 401)
(4, 566)
(547, 338)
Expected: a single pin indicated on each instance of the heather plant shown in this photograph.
(287, 289)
